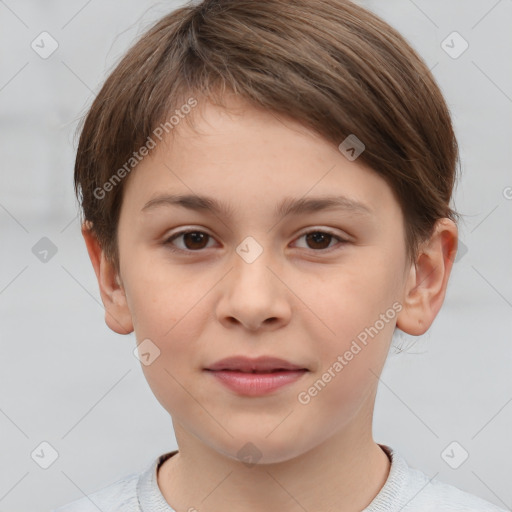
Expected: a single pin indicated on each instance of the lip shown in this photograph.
(259, 364)
(255, 377)
(256, 384)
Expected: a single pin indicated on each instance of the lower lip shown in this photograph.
(256, 384)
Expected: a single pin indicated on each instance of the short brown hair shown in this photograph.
(330, 64)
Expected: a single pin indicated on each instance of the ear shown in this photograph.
(428, 278)
(117, 313)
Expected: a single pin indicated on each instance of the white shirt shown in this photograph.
(406, 490)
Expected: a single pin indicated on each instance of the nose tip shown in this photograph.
(253, 297)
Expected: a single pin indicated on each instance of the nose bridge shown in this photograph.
(252, 262)
(251, 250)
(253, 293)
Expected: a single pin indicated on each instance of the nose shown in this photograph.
(254, 295)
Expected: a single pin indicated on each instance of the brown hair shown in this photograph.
(329, 64)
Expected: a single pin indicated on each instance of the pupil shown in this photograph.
(195, 237)
(316, 236)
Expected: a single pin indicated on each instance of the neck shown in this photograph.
(345, 472)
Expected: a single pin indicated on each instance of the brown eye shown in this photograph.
(192, 240)
(320, 240)
(195, 240)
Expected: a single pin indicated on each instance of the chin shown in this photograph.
(252, 451)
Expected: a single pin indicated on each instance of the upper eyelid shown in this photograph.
(329, 231)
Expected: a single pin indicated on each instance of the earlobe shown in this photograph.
(428, 279)
(117, 314)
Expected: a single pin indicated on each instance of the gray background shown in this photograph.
(66, 379)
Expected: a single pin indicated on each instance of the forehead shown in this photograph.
(238, 123)
(241, 155)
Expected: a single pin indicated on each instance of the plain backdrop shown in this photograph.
(67, 380)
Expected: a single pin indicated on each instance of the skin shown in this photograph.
(304, 301)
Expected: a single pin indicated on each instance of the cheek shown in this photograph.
(172, 310)
(160, 295)
(349, 366)
(176, 325)
(351, 298)
(358, 310)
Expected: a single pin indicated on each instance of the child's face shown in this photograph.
(303, 299)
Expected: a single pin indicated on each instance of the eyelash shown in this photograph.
(168, 241)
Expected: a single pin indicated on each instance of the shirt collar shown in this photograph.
(390, 498)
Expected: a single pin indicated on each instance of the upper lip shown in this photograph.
(261, 364)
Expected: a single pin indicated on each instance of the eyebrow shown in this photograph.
(287, 206)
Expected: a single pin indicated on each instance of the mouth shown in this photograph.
(257, 376)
